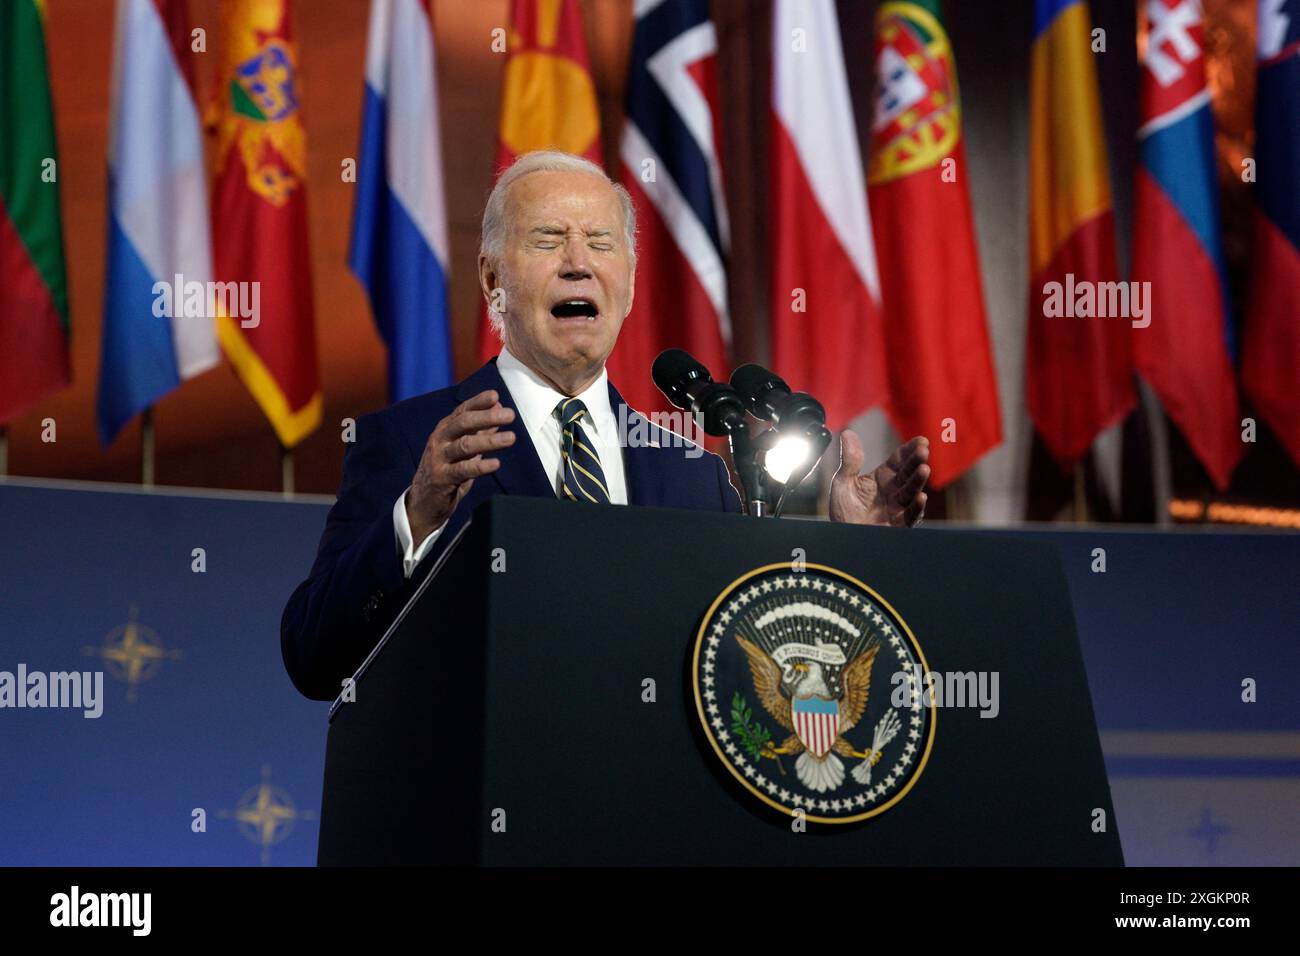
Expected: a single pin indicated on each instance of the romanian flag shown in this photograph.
(1270, 360)
(33, 286)
(548, 98)
(259, 216)
(941, 381)
(1078, 370)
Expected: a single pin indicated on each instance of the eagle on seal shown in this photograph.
(799, 698)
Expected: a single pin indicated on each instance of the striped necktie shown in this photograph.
(582, 478)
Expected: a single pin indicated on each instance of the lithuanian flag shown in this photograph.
(33, 286)
(259, 216)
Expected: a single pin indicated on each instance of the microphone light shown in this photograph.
(785, 456)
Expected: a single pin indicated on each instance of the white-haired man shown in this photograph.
(557, 264)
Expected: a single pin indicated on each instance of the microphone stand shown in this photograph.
(747, 454)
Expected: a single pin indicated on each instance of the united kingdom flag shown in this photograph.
(670, 165)
(1186, 351)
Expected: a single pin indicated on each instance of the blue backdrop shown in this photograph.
(199, 714)
(198, 711)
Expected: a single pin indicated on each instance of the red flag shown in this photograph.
(941, 380)
(548, 98)
(826, 321)
(259, 216)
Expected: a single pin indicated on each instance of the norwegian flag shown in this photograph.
(1187, 351)
(670, 165)
(826, 315)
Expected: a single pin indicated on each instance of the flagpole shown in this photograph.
(286, 471)
(146, 447)
(1080, 495)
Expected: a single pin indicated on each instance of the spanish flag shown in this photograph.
(33, 284)
(1078, 371)
(548, 97)
(259, 216)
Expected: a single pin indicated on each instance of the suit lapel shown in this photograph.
(643, 487)
(521, 471)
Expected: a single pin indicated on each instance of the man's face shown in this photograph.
(566, 273)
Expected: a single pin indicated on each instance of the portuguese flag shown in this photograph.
(259, 217)
(33, 286)
(941, 381)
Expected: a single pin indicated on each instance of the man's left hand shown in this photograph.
(892, 494)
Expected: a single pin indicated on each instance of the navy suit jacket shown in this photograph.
(356, 585)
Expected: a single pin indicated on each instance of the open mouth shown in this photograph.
(576, 308)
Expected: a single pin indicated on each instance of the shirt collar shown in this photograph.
(536, 398)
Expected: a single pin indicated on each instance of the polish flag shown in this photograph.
(826, 316)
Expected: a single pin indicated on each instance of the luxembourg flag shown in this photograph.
(158, 227)
(1186, 352)
(399, 226)
(826, 315)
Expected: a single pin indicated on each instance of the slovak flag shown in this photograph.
(158, 223)
(1186, 351)
(1270, 359)
(670, 165)
(399, 245)
(826, 314)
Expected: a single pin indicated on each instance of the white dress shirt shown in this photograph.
(535, 401)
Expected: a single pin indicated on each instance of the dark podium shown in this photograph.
(511, 688)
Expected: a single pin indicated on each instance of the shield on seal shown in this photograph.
(817, 722)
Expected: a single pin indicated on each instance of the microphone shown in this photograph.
(798, 437)
(689, 386)
(767, 396)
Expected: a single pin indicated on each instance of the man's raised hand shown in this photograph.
(892, 494)
(455, 454)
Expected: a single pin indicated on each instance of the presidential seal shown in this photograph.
(783, 668)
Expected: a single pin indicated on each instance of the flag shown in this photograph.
(548, 98)
(34, 328)
(1270, 360)
(1186, 351)
(158, 228)
(259, 214)
(827, 335)
(669, 164)
(1078, 370)
(941, 380)
(399, 224)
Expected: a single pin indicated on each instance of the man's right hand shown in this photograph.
(453, 457)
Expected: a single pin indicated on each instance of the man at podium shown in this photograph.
(556, 264)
